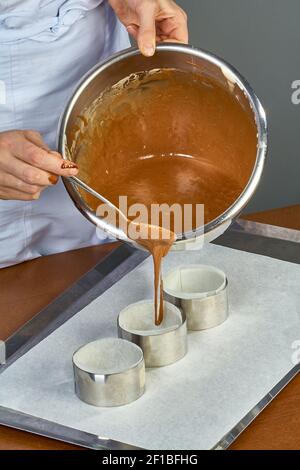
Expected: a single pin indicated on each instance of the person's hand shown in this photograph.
(149, 21)
(27, 165)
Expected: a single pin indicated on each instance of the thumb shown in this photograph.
(147, 32)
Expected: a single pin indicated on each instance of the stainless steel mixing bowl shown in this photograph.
(181, 57)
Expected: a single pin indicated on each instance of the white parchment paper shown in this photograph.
(188, 405)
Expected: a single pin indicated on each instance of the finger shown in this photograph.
(146, 33)
(133, 30)
(13, 183)
(174, 27)
(161, 38)
(37, 139)
(175, 41)
(14, 194)
(180, 34)
(173, 31)
(25, 172)
(49, 161)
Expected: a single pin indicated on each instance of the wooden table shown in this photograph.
(28, 287)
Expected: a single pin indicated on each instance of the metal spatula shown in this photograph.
(121, 234)
(94, 193)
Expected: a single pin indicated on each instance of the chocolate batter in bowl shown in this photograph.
(182, 127)
(168, 136)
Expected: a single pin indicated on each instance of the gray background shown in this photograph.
(261, 38)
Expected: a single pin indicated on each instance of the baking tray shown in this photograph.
(246, 236)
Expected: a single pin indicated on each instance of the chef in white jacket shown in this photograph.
(45, 48)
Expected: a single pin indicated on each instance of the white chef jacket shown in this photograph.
(45, 48)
